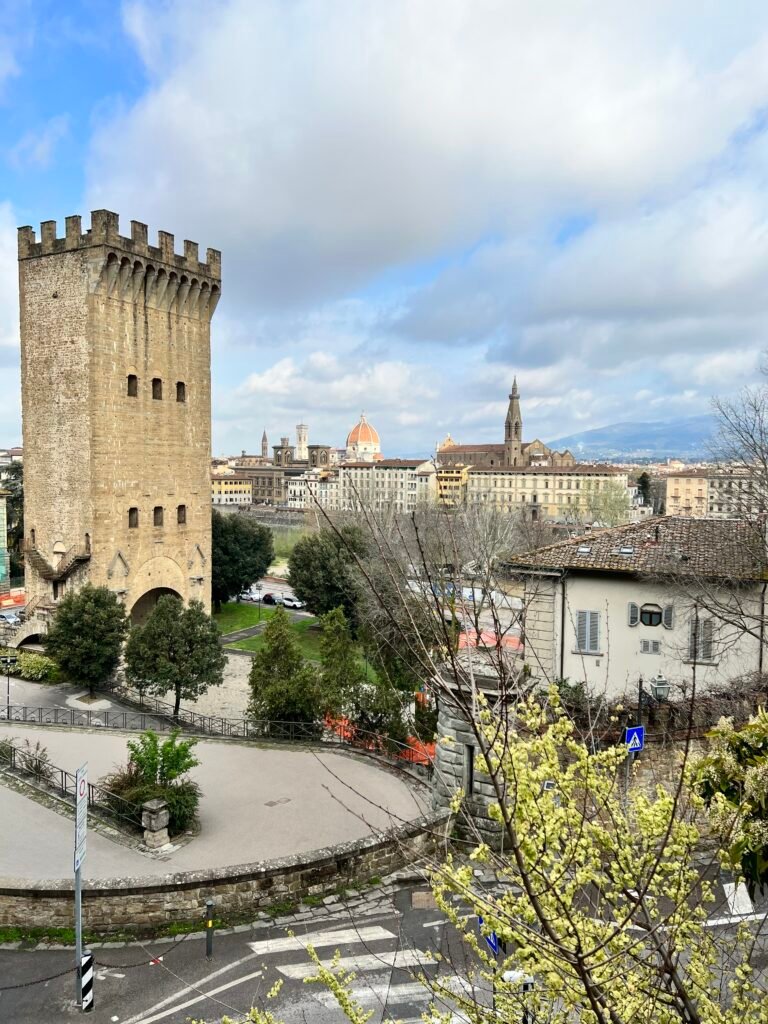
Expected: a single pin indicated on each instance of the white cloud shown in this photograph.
(319, 144)
(36, 147)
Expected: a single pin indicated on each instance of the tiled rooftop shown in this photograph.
(679, 545)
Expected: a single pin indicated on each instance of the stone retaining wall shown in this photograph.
(130, 904)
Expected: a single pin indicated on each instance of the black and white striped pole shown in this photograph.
(86, 981)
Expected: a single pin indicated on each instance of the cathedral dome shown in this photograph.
(362, 434)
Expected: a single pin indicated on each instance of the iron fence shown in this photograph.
(152, 713)
(33, 763)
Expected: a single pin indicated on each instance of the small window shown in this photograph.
(158, 515)
(133, 385)
(181, 515)
(633, 614)
(651, 615)
(650, 647)
(469, 769)
(700, 640)
(133, 518)
(157, 388)
(588, 632)
(181, 391)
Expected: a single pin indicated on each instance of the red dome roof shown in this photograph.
(362, 433)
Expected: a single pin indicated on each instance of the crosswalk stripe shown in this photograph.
(371, 962)
(338, 938)
(378, 992)
(738, 898)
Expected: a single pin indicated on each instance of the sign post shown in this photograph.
(634, 739)
(8, 660)
(81, 833)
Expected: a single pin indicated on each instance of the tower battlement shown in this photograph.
(104, 231)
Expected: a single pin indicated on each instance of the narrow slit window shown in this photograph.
(181, 391)
(157, 388)
(181, 515)
(158, 515)
(133, 385)
(133, 518)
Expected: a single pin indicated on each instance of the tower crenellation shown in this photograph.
(105, 230)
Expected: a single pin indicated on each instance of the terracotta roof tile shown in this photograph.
(665, 545)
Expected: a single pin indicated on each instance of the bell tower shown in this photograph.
(513, 429)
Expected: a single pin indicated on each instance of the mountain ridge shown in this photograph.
(687, 437)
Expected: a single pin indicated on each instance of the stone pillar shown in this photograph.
(154, 819)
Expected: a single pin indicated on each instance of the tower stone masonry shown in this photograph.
(116, 406)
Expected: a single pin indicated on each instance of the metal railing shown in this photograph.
(155, 714)
(26, 763)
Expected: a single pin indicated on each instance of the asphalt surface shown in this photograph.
(387, 943)
(387, 938)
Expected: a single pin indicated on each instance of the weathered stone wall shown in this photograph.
(96, 308)
(121, 904)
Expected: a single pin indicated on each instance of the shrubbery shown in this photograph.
(36, 668)
(159, 769)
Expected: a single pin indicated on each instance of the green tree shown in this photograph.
(608, 504)
(162, 764)
(733, 780)
(321, 571)
(644, 486)
(13, 483)
(86, 635)
(342, 673)
(242, 553)
(284, 687)
(176, 649)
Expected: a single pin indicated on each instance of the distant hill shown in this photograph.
(684, 438)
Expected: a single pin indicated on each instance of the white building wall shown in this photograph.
(617, 665)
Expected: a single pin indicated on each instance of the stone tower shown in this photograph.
(302, 438)
(116, 403)
(264, 445)
(513, 429)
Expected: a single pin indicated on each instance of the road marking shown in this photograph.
(739, 902)
(383, 992)
(340, 937)
(198, 999)
(190, 988)
(399, 960)
(434, 924)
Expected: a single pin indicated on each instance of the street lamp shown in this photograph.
(660, 688)
(257, 589)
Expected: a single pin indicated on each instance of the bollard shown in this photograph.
(86, 981)
(209, 929)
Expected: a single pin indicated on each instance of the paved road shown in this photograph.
(386, 944)
(257, 803)
(386, 940)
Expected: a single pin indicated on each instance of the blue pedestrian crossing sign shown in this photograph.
(635, 738)
(493, 939)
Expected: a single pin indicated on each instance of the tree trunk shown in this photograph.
(177, 703)
(216, 605)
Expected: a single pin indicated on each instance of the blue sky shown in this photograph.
(416, 200)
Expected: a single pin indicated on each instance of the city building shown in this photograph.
(574, 491)
(231, 490)
(452, 485)
(687, 493)
(719, 492)
(656, 598)
(514, 453)
(115, 374)
(363, 444)
(397, 485)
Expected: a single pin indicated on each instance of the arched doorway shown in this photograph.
(147, 602)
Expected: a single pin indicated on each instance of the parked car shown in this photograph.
(272, 599)
(11, 618)
(292, 602)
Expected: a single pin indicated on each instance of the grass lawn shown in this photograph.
(306, 631)
(240, 616)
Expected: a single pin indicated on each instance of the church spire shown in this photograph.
(513, 428)
(264, 445)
